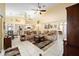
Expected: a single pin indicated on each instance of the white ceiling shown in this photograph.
(26, 6)
(16, 8)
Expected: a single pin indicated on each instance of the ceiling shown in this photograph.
(26, 6)
(17, 8)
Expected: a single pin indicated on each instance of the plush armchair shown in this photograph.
(22, 37)
(52, 35)
(30, 36)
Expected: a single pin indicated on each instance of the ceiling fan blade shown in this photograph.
(43, 10)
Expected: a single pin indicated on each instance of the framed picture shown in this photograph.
(48, 26)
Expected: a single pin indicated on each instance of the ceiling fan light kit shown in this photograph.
(39, 8)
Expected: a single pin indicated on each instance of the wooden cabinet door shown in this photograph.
(7, 42)
(73, 25)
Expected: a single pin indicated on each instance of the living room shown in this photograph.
(35, 29)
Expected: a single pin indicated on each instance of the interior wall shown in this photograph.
(0, 34)
(2, 12)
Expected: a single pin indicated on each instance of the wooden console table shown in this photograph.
(7, 42)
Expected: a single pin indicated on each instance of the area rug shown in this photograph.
(12, 52)
(44, 45)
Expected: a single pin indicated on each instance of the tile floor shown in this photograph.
(2, 53)
(28, 49)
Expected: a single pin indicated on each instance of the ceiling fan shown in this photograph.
(39, 9)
